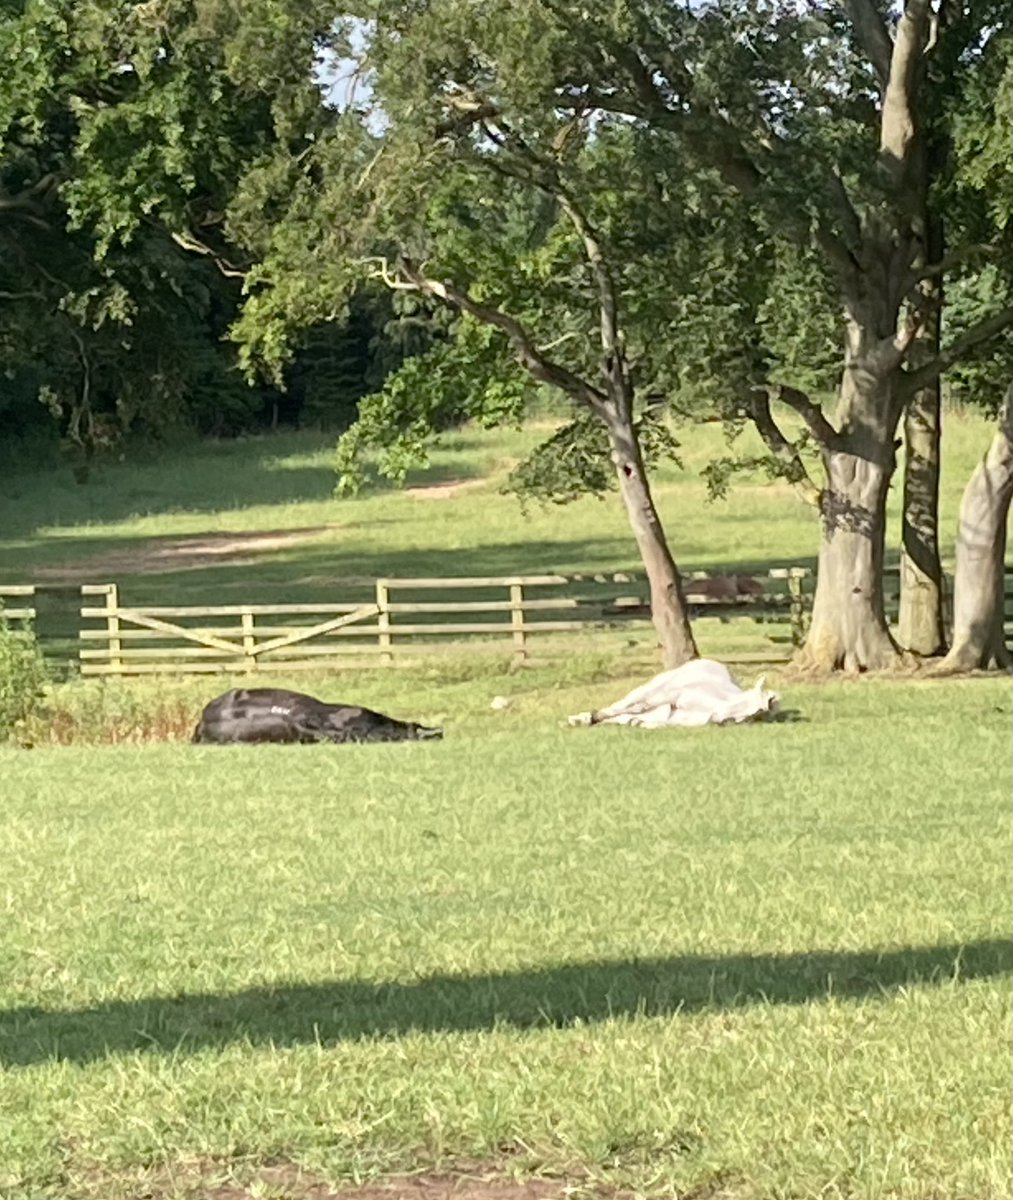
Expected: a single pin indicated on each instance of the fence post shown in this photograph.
(797, 605)
(517, 622)
(113, 628)
(249, 642)
(383, 622)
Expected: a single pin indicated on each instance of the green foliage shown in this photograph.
(982, 116)
(576, 460)
(800, 320)
(720, 473)
(121, 127)
(112, 340)
(982, 377)
(469, 376)
(23, 677)
(573, 462)
(982, 192)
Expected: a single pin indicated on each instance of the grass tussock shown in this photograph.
(107, 713)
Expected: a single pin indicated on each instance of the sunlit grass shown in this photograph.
(770, 961)
(285, 483)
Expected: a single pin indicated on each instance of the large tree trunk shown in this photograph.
(979, 582)
(920, 622)
(668, 606)
(848, 628)
(613, 405)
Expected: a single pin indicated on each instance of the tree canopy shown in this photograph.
(729, 210)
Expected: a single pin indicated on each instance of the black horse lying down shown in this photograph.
(276, 715)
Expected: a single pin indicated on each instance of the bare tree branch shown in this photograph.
(890, 351)
(543, 171)
(611, 336)
(782, 449)
(898, 127)
(381, 270)
(920, 377)
(21, 212)
(712, 137)
(30, 204)
(849, 217)
(843, 260)
(82, 409)
(189, 242)
(956, 258)
(467, 110)
(714, 140)
(563, 337)
(872, 35)
(817, 424)
(543, 368)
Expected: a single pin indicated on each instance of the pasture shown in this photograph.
(255, 518)
(758, 963)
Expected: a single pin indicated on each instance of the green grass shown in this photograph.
(770, 961)
(285, 483)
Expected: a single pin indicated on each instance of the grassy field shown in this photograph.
(255, 519)
(725, 961)
(760, 963)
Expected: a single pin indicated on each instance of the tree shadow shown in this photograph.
(209, 476)
(313, 569)
(292, 1014)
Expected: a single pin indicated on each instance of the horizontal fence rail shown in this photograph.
(397, 619)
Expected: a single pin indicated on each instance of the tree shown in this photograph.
(110, 339)
(982, 135)
(508, 220)
(218, 108)
(124, 130)
(818, 120)
(539, 175)
(960, 111)
(980, 580)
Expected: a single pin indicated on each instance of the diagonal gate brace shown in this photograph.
(190, 635)
(304, 635)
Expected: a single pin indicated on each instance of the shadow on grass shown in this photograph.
(315, 571)
(207, 476)
(172, 569)
(291, 1014)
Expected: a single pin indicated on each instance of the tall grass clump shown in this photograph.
(23, 677)
(92, 712)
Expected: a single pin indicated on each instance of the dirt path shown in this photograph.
(160, 556)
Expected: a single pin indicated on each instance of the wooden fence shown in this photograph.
(388, 621)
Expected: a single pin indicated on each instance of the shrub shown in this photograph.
(23, 677)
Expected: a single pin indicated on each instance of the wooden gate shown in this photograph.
(139, 640)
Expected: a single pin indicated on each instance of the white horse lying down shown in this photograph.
(701, 692)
